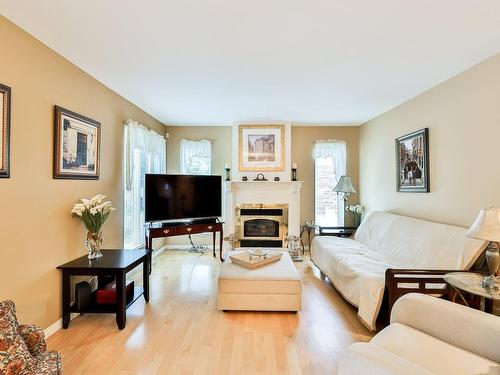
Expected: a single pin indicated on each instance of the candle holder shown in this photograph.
(294, 174)
(228, 174)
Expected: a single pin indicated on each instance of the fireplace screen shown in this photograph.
(261, 228)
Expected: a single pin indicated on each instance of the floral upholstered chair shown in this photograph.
(23, 350)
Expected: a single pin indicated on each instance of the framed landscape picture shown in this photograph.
(261, 147)
(412, 162)
(76, 146)
(4, 131)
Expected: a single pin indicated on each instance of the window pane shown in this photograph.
(325, 204)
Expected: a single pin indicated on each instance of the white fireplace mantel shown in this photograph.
(273, 192)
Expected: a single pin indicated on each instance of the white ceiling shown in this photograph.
(215, 62)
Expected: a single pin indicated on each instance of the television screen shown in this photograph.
(176, 197)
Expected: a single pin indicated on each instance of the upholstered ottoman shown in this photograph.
(273, 287)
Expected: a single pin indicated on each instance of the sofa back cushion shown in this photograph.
(414, 243)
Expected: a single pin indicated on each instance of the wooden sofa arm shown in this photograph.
(399, 282)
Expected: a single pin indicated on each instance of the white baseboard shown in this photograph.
(56, 326)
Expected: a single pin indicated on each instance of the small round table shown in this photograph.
(471, 283)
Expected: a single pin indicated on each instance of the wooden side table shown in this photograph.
(337, 231)
(470, 282)
(113, 262)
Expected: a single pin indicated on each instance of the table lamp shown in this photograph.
(344, 187)
(487, 227)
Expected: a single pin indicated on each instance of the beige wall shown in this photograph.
(303, 138)
(463, 117)
(37, 232)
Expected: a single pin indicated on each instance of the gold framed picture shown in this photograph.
(261, 148)
(76, 146)
(4, 131)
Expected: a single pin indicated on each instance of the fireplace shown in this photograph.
(261, 224)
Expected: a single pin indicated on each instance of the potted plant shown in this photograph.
(357, 212)
(93, 212)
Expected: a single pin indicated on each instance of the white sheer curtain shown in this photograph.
(337, 151)
(196, 157)
(144, 152)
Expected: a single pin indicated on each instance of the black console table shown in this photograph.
(113, 263)
(181, 229)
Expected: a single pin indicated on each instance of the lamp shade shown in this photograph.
(487, 225)
(344, 185)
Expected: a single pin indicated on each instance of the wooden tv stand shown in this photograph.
(182, 229)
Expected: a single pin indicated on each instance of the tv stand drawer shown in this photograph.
(199, 228)
(185, 229)
(163, 232)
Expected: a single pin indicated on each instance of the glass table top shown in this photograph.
(471, 283)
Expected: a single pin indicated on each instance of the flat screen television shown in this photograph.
(171, 197)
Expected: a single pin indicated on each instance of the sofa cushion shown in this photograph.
(430, 353)
(414, 243)
(14, 354)
(355, 270)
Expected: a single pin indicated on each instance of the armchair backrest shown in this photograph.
(461, 326)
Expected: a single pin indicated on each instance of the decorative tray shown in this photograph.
(252, 261)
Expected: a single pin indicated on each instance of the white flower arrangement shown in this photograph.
(355, 208)
(93, 212)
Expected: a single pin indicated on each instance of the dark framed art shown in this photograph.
(4, 131)
(412, 162)
(77, 142)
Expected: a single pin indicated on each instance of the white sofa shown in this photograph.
(428, 335)
(357, 266)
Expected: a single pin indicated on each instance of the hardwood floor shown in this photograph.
(181, 332)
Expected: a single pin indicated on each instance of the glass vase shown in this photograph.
(93, 244)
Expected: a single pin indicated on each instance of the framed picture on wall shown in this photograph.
(412, 162)
(76, 146)
(261, 148)
(4, 131)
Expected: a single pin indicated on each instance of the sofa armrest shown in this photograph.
(34, 338)
(458, 325)
(399, 282)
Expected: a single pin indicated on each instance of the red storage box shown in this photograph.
(107, 295)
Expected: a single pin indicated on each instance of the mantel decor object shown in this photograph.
(260, 177)
(93, 212)
(487, 228)
(228, 172)
(294, 172)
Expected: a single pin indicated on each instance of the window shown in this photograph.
(145, 152)
(196, 157)
(329, 165)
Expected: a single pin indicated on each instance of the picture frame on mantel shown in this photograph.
(412, 162)
(261, 148)
(77, 142)
(5, 98)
